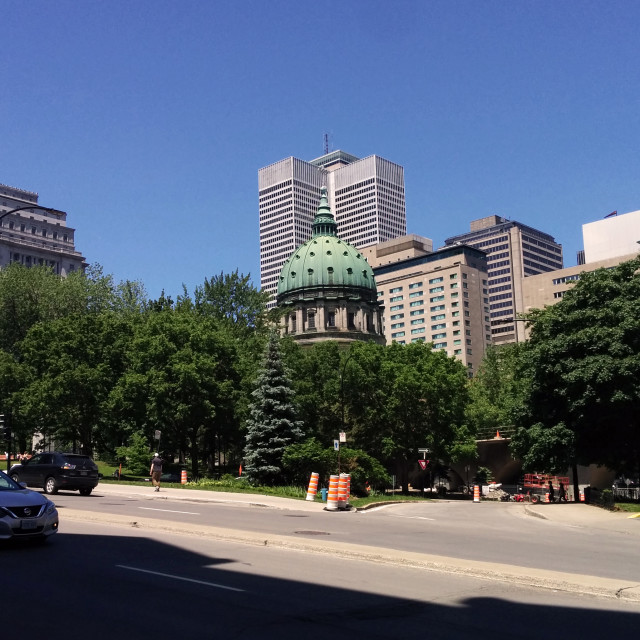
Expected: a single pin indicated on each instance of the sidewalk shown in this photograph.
(587, 516)
(202, 495)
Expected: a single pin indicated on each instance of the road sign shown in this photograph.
(423, 464)
(336, 445)
(157, 434)
(343, 436)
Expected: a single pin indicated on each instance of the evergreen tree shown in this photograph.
(272, 424)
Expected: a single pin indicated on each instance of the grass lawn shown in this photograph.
(631, 507)
(233, 485)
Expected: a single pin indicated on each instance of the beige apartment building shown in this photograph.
(439, 296)
(546, 289)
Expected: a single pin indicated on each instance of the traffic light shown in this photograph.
(4, 429)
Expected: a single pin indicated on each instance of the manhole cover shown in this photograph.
(312, 533)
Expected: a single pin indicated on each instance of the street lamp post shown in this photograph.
(55, 212)
(342, 421)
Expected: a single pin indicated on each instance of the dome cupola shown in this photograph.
(327, 287)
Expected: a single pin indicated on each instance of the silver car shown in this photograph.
(25, 514)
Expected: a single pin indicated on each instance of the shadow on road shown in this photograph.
(122, 588)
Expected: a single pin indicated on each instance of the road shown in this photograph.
(489, 532)
(113, 581)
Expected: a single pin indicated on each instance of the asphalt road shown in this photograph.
(575, 539)
(122, 581)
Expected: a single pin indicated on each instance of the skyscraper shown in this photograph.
(514, 251)
(366, 196)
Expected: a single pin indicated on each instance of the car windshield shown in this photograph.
(7, 484)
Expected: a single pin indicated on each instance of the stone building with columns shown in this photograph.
(327, 290)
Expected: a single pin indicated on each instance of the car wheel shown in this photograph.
(535, 499)
(50, 485)
(85, 492)
(15, 477)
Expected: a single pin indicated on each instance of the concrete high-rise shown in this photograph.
(439, 297)
(366, 196)
(514, 251)
(34, 235)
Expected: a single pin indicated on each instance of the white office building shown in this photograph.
(31, 235)
(615, 235)
(366, 196)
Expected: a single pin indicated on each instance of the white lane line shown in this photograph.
(191, 513)
(413, 517)
(173, 577)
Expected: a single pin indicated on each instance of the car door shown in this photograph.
(37, 469)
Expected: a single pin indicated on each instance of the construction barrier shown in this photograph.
(546, 498)
(582, 496)
(343, 491)
(313, 487)
(183, 476)
(476, 493)
(332, 495)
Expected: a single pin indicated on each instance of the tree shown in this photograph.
(180, 379)
(70, 366)
(272, 424)
(407, 397)
(495, 391)
(582, 373)
(232, 299)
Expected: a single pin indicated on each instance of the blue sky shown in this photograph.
(147, 120)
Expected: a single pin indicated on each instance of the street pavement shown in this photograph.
(574, 514)
(577, 515)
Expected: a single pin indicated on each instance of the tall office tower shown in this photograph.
(366, 196)
(514, 251)
(34, 235)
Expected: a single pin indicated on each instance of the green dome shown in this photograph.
(326, 262)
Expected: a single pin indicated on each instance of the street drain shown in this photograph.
(312, 533)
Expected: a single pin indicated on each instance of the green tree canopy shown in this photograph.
(582, 373)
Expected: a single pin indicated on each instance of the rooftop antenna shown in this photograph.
(326, 143)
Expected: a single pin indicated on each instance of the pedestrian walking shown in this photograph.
(552, 493)
(562, 494)
(156, 470)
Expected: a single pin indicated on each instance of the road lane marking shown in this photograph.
(191, 513)
(174, 577)
(393, 515)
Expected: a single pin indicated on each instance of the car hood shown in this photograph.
(21, 498)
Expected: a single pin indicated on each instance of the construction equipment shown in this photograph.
(536, 486)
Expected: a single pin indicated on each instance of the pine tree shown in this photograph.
(272, 425)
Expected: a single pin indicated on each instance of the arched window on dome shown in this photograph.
(329, 275)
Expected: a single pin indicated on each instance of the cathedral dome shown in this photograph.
(326, 263)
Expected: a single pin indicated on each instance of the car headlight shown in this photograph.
(51, 507)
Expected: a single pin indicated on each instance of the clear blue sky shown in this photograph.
(147, 120)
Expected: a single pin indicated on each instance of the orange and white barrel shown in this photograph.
(343, 491)
(183, 476)
(476, 493)
(582, 496)
(332, 495)
(313, 486)
(546, 498)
